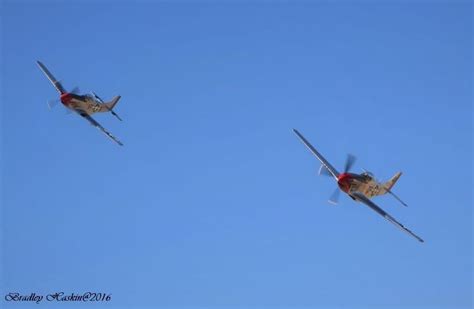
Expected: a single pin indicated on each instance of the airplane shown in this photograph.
(359, 187)
(84, 105)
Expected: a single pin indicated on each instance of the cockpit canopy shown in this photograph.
(92, 97)
(368, 174)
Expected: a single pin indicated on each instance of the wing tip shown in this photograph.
(297, 133)
(419, 238)
(40, 64)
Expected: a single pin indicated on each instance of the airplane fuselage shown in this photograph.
(365, 184)
(81, 103)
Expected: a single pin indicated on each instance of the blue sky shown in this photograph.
(213, 201)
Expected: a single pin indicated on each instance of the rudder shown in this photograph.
(391, 182)
(110, 105)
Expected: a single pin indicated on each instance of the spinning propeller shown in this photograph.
(350, 160)
(54, 102)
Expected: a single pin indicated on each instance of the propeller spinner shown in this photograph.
(350, 160)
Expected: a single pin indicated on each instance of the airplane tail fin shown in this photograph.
(389, 185)
(391, 182)
(110, 105)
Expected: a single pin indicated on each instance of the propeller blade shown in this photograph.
(324, 171)
(52, 103)
(334, 198)
(349, 162)
(75, 90)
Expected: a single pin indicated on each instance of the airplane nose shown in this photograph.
(65, 98)
(344, 182)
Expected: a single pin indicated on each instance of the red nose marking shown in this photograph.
(65, 98)
(344, 181)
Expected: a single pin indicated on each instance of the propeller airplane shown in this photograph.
(359, 187)
(84, 105)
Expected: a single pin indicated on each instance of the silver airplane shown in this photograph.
(84, 105)
(359, 187)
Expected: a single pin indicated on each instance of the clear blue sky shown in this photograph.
(213, 201)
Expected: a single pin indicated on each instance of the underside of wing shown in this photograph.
(101, 128)
(362, 198)
(323, 161)
(51, 78)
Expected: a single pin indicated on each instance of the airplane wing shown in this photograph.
(362, 198)
(323, 161)
(97, 125)
(51, 78)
